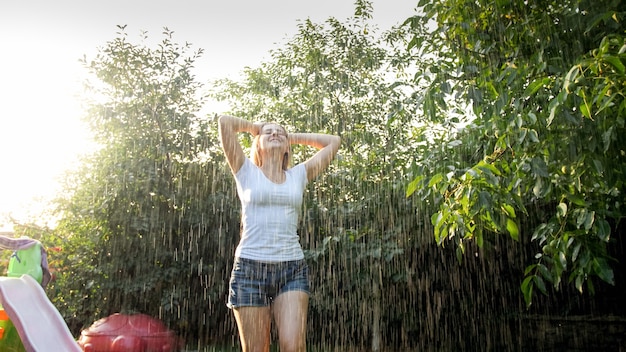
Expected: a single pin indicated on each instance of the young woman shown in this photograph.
(270, 276)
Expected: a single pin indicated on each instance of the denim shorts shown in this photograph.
(256, 283)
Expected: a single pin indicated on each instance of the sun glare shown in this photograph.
(41, 133)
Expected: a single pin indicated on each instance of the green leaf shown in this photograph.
(607, 137)
(606, 102)
(484, 200)
(415, 42)
(561, 210)
(540, 284)
(539, 167)
(589, 218)
(511, 227)
(522, 135)
(529, 268)
(545, 273)
(576, 251)
(422, 3)
(534, 86)
(541, 232)
(584, 109)
(570, 78)
(603, 270)
(509, 210)
(412, 187)
(562, 260)
(538, 189)
(435, 179)
(527, 290)
(590, 287)
(438, 221)
(603, 230)
(576, 199)
(435, 218)
(478, 235)
(460, 250)
(487, 167)
(616, 63)
(580, 280)
(553, 108)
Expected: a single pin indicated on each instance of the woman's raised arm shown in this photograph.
(328, 146)
(228, 127)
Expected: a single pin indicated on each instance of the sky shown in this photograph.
(41, 41)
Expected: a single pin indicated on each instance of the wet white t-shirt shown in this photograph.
(269, 213)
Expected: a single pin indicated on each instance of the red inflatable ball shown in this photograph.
(128, 333)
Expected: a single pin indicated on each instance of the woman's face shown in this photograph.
(273, 136)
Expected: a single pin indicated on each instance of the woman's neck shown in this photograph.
(274, 172)
(273, 168)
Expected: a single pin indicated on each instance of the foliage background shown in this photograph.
(482, 162)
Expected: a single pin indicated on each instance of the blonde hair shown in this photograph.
(255, 151)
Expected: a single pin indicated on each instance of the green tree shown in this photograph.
(143, 221)
(543, 85)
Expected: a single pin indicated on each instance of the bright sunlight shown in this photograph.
(40, 129)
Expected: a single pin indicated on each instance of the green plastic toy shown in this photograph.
(26, 261)
(9, 338)
(23, 261)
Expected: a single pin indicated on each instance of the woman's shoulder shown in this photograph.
(246, 167)
(299, 170)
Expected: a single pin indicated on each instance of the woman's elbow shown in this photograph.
(337, 141)
(224, 123)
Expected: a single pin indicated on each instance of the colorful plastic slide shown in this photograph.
(39, 324)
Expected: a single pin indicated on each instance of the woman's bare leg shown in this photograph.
(254, 328)
(290, 313)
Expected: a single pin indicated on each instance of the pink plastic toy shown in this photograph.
(126, 333)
